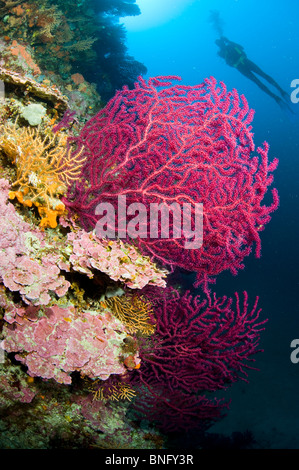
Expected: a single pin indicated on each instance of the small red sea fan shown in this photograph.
(199, 346)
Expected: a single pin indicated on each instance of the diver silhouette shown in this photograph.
(235, 56)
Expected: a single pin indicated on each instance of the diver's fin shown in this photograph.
(283, 104)
(285, 95)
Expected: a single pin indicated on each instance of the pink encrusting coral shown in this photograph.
(122, 262)
(26, 265)
(55, 341)
(159, 143)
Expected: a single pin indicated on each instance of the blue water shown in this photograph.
(268, 406)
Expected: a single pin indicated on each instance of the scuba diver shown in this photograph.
(234, 55)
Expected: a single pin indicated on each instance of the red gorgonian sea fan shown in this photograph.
(178, 145)
(200, 346)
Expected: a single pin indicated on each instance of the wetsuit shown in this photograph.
(235, 56)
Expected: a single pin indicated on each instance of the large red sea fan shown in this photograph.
(160, 143)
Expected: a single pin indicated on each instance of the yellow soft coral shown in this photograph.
(134, 311)
(49, 216)
(116, 392)
(45, 166)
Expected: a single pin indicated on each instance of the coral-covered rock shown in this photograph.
(14, 385)
(27, 264)
(122, 262)
(55, 341)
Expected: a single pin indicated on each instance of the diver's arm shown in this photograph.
(233, 44)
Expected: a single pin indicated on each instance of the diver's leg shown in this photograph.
(256, 69)
(260, 84)
(247, 73)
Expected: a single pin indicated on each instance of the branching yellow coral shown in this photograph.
(49, 19)
(45, 166)
(134, 312)
(78, 293)
(82, 45)
(115, 392)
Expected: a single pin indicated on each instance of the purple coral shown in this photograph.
(199, 346)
